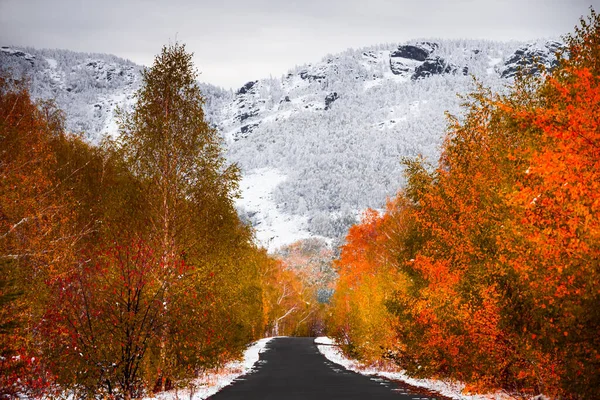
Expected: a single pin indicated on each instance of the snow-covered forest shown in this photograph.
(335, 131)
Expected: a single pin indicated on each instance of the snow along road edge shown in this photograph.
(332, 352)
(213, 381)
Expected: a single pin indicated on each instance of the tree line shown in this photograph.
(486, 268)
(125, 269)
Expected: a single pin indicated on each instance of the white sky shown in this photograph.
(236, 41)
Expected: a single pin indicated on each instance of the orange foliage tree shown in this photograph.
(358, 317)
(32, 238)
(310, 260)
(496, 251)
(556, 248)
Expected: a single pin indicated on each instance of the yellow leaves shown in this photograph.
(69, 214)
(366, 283)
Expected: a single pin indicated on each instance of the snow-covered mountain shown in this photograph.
(88, 87)
(318, 145)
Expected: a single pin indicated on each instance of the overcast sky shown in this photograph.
(235, 41)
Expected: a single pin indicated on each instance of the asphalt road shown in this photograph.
(293, 368)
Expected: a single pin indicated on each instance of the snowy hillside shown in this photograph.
(87, 87)
(318, 145)
(338, 129)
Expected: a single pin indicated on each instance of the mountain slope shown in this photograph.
(338, 129)
(320, 144)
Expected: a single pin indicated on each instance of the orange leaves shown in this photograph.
(496, 254)
(561, 235)
(355, 258)
(357, 302)
(31, 214)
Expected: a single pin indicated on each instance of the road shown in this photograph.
(293, 368)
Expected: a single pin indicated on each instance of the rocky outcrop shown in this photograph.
(531, 59)
(406, 58)
(245, 115)
(418, 52)
(370, 57)
(400, 67)
(18, 53)
(105, 72)
(434, 66)
(410, 52)
(246, 105)
(330, 98)
(311, 77)
(245, 131)
(246, 88)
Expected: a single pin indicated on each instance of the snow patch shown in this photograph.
(324, 340)
(331, 351)
(493, 62)
(390, 123)
(372, 83)
(213, 381)
(416, 106)
(108, 106)
(52, 62)
(274, 229)
(56, 75)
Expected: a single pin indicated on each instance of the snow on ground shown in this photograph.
(109, 104)
(390, 123)
(52, 62)
(58, 76)
(213, 381)
(273, 228)
(493, 61)
(328, 348)
(372, 83)
(277, 116)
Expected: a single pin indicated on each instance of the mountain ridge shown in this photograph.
(332, 132)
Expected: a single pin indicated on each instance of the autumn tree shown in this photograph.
(496, 250)
(556, 246)
(367, 278)
(34, 238)
(125, 267)
(310, 260)
(188, 190)
(172, 149)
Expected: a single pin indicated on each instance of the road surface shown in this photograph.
(293, 368)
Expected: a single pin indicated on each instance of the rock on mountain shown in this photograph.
(417, 61)
(408, 57)
(328, 136)
(434, 66)
(527, 59)
(18, 54)
(418, 51)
